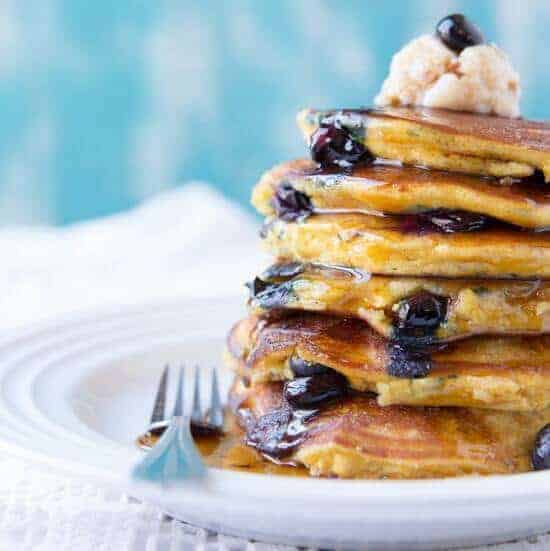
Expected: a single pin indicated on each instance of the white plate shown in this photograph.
(74, 394)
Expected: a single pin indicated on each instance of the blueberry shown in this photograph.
(269, 295)
(268, 433)
(256, 286)
(421, 313)
(303, 368)
(409, 363)
(310, 392)
(446, 221)
(540, 457)
(332, 145)
(451, 221)
(290, 204)
(277, 433)
(457, 32)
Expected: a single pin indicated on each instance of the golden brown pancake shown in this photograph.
(406, 190)
(511, 373)
(470, 306)
(444, 139)
(382, 245)
(356, 438)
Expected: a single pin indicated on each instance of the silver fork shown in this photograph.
(175, 458)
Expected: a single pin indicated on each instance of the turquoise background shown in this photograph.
(106, 103)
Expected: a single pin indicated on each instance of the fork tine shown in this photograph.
(216, 410)
(160, 398)
(178, 406)
(196, 412)
(174, 459)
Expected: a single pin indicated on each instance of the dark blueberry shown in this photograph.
(268, 433)
(277, 433)
(421, 314)
(270, 295)
(290, 204)
(311, 392)
(457, 32)
(302, 368)
(408, 363)
(256, 286)
(284, 271)
(275, 296)
(540, 457)
(449, 221)
(446, 221)
(331, 145)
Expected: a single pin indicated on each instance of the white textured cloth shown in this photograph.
(188, 242)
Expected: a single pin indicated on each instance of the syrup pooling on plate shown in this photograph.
(226, 450)
(276, 434)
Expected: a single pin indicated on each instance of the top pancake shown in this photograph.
(444, 139)
(406, 190)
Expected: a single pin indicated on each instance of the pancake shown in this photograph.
(353, 437)
(469, 307)
(443, 139)
(406, 190)
(384, 245)
(510, 373)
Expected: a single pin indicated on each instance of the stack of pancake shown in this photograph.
(401, 330)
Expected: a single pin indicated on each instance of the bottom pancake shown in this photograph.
(511, 373)
(353, 437)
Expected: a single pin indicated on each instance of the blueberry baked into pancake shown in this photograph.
(403, 329)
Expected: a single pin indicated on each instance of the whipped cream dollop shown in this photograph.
(426, 72)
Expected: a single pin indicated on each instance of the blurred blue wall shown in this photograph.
(106, 103)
